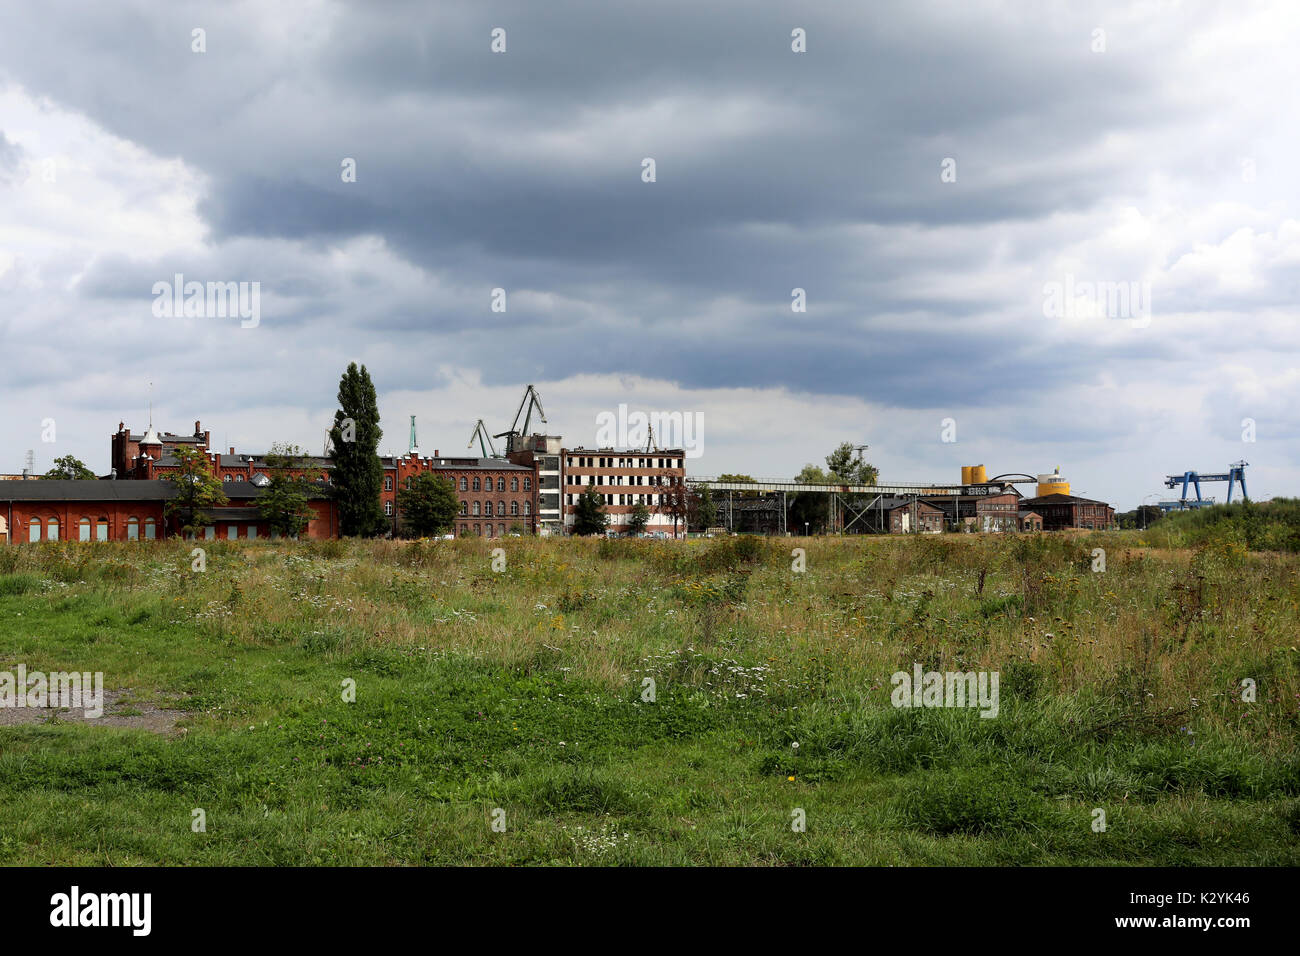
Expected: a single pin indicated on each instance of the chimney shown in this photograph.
(436, 453)
(232, 449)
(197, 429)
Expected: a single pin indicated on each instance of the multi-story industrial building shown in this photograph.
(625, 479)
(543, 454)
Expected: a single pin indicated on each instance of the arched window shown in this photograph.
(52, 530)
(34, 530)
(477, 484)
(464, 485)
(501, 531)
(489, 530)
(132, 529)
(514, 483)
(477, 512)
(409, 479)
(528, 483)
(388, 482)
(528, 507)
(464, 507)
(388, 508)
(514, 507)
(477, 529)
(150, 529)
(225, 477)
(83, 529)
(501, 484)
(501, 509)
(101, 529)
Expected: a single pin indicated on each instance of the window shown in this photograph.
(489, 530)
(150, 529)
(388, 508)
(464, 507)
(232, 532)
(464, 485)
(252, 532)
(477, 529)
(225, 477)
(501, 483)
(501, 531)
(52, 530)
(83, 529)
(514, 484)
(514, 508)
(528, 484)
(501, 509)
(209, 532)
(477, 510)
(132, 529)
(388, 482)
(409, 479)
(101, 529)
(528, 507)
(34, 530)
(477, 484)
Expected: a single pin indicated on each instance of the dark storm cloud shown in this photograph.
(522, 171)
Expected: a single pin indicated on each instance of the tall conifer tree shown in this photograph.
(358, 473)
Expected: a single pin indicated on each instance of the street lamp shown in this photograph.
(805, 529)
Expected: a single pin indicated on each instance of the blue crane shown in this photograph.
(1236, 472)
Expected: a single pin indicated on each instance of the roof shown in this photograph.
(52, 489)
(459, 464)
(1063, 500)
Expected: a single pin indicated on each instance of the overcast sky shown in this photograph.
(1152, 143)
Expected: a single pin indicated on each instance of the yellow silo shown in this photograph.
(965, 474)
(1053, 484)
(978, 475)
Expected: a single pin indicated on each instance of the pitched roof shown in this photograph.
(121, 489)
(1059, 499)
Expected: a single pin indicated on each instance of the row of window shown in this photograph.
(634, 461)
(651, 480)
(501, 530)
(618, 499)
(480, 484)
(501, 508)
(87, 530)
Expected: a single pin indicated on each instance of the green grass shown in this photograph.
(521, 692)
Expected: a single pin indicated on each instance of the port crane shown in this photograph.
(531, 400)
(1236, 472)
(484, 441)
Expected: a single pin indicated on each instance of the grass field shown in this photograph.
(521, 691)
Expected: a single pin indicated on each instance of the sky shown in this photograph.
(960, 190)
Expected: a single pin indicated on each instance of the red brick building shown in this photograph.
(496, 497)
(57, 510)
(1061, 512)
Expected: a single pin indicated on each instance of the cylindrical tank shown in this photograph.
(978, 475)
(1053, 484)
(965, 474)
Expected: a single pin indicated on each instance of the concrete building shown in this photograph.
(543, 454)
(624, 479)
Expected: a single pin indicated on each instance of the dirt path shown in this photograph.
(139, 716)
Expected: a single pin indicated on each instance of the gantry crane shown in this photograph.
(1236, 472)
